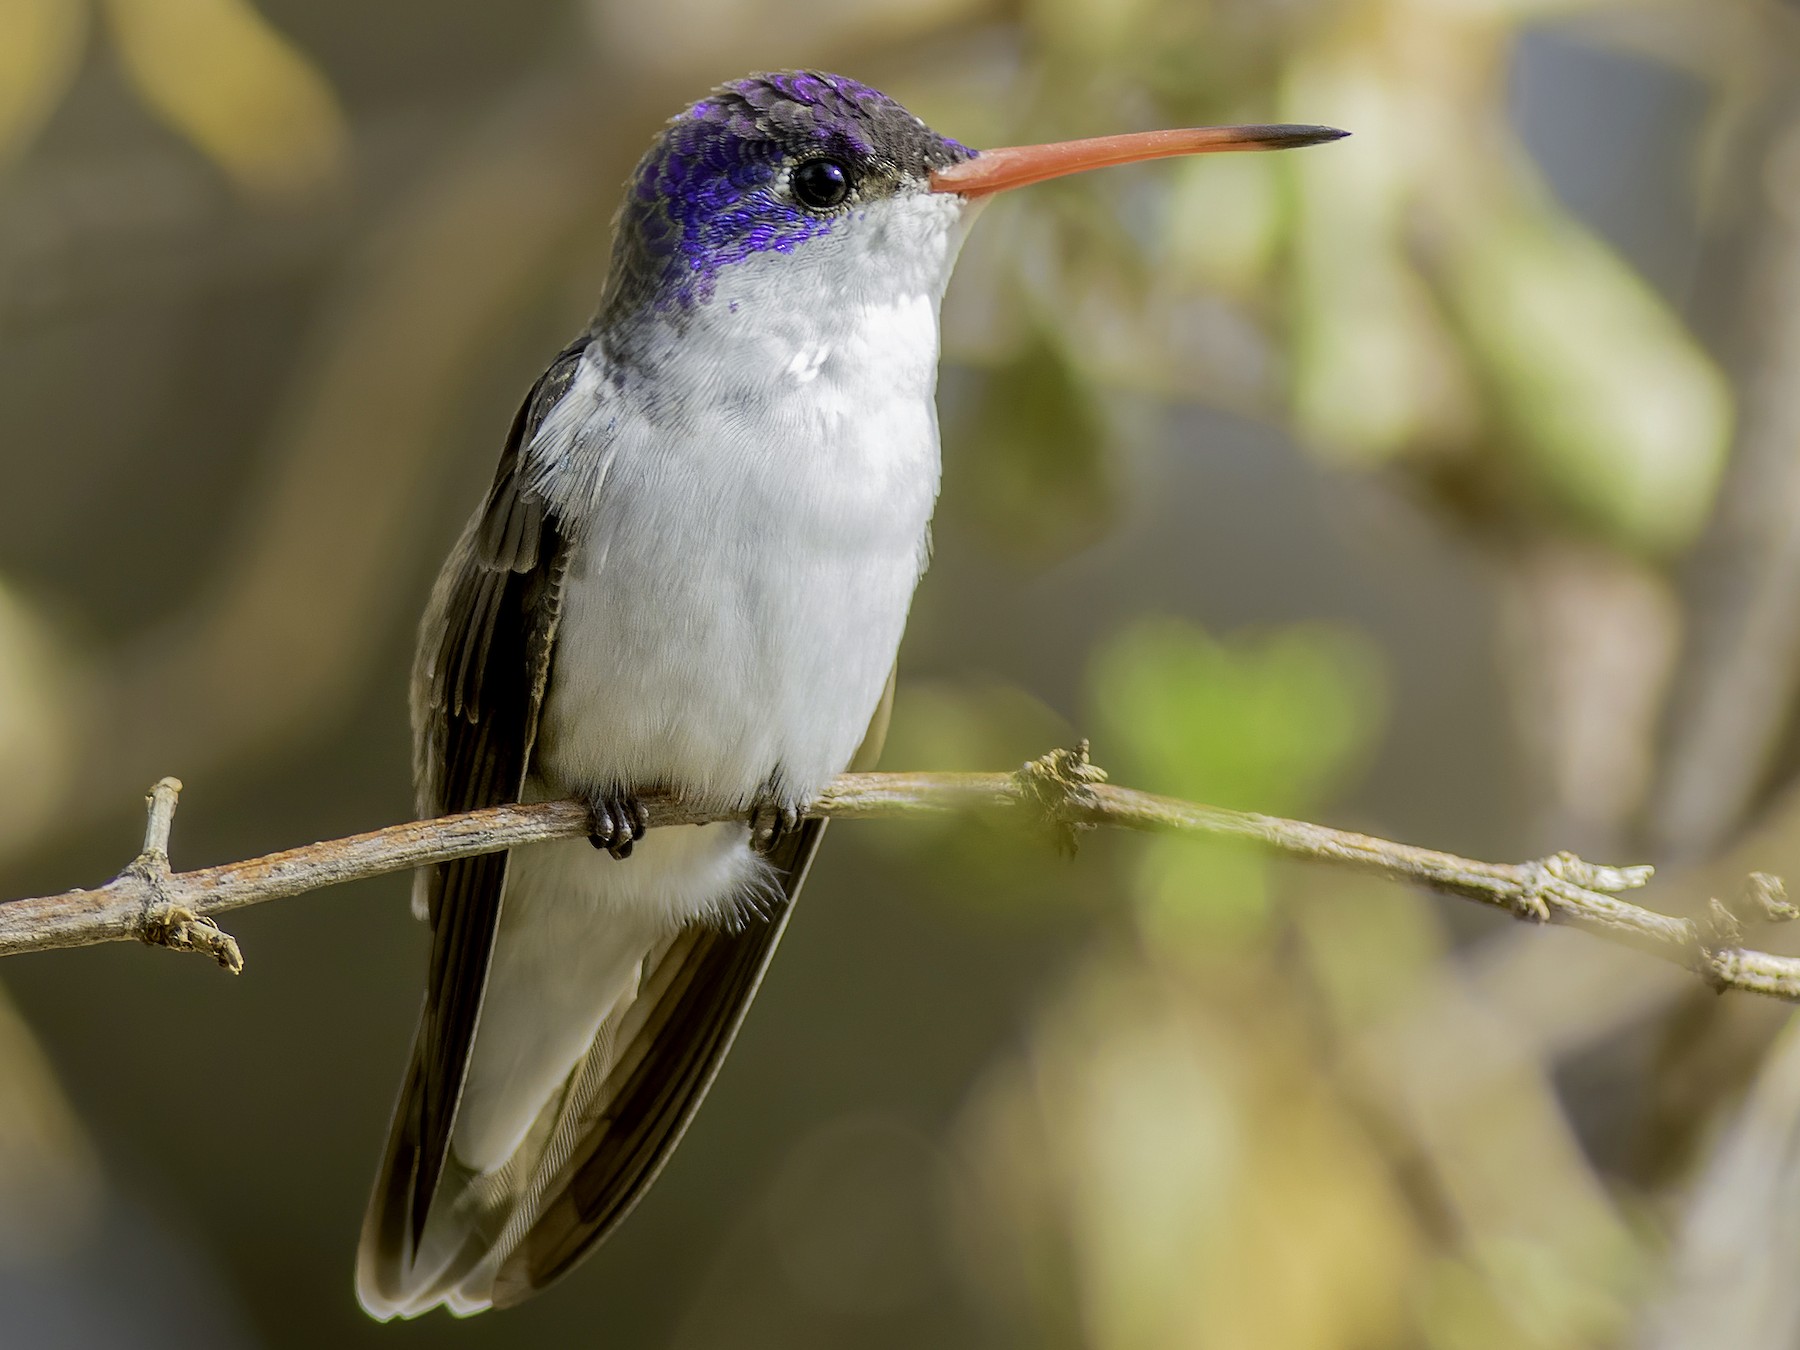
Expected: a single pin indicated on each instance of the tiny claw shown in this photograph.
(617, 823)
(770, 823)
(1528, 902)
(1531, 905)
(600, 825)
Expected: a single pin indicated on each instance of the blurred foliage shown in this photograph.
(1260, 724)
(41, 43)
(976, 865)
(215, 70)
(49, 1178)
(40, 699)
(1160, 1172)
(1616, 415)
(219, 74)
(1207, 1144)
(1032, 470)
(1434, 303)
(1242, 1104)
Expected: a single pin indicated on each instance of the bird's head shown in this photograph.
(803, 188)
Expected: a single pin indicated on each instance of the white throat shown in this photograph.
(857, 305)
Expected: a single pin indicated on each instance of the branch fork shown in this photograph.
(1059, 787)
(163, 922)
(1572, 882)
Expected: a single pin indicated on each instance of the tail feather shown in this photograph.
(665, 1004)
(660, 1043)
(472, 1219)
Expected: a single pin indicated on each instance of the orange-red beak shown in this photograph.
(1016, 165)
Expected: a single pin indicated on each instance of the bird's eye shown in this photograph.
(820, 184)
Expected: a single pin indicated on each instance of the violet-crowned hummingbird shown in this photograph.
(690, 577)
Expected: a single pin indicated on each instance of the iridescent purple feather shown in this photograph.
(706, 195)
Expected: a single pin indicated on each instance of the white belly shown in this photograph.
(731, 618)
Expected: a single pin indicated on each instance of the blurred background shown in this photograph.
(1443, 483)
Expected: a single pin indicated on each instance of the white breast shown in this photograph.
(735, 605)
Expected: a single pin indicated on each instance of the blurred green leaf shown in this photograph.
(1375, 371)
(977, 864)
(973, 725)
(1159, 1170)
(1261, 723)
(1222, 220)
(1610, 406)
(1029, 465)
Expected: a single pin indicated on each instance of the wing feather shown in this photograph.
(478, 687)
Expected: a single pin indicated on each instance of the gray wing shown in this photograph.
(478, 685)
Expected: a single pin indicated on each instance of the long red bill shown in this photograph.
(1014, 166)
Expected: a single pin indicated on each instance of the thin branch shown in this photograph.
(1062, 792)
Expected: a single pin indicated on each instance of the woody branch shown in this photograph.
(1063, 791)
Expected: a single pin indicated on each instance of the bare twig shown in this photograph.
(162, 799)
(163, 922)
(1063, 791)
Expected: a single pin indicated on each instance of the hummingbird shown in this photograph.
(690, 578)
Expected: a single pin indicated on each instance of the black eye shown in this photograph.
(820, 184)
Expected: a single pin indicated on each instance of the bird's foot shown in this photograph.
(772, 821)
(616, 821)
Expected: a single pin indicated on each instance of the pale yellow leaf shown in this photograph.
(247, 97)
(1374, 374)
(41, 42)
(43, 698)
(1611, 406)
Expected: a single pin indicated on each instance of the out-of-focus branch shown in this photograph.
(1743, 662)
(1063, 792)
(1731, 1280)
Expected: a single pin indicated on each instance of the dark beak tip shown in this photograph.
(1303, 135)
